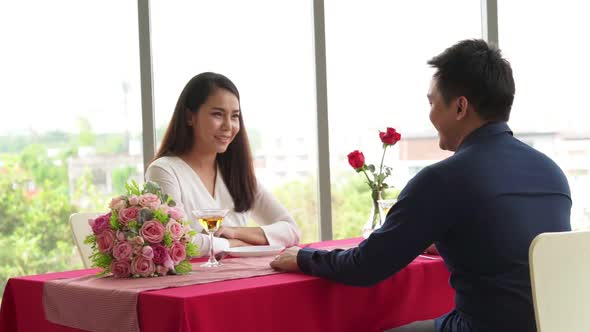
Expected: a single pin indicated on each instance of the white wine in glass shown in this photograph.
(210, 220)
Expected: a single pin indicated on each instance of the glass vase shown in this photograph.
(375, 218)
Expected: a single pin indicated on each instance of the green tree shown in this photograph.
(351, 205)
(111, 144)
(86, 136)
(300, 198)
(35, 208)
(120, 177)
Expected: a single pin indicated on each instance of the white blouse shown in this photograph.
(179, 180)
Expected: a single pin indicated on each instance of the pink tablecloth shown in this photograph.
(280, 302)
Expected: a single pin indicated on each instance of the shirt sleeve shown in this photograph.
(202, 241)
(422, 214)
(277, 223)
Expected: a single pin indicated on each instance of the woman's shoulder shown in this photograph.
(166, 162)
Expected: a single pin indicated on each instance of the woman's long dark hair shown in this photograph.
(237, 168)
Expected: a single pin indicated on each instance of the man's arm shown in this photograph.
(423, 213)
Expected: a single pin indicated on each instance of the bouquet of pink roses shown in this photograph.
(144, 235)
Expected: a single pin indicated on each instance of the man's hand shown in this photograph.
(286, 261)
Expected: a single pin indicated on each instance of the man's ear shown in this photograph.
(462, 106)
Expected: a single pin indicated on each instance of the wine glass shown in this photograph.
(210, 219)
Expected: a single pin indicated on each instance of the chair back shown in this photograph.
(80, 229)
(560, 281)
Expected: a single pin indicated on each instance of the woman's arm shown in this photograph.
(276, 223)
(250, 235)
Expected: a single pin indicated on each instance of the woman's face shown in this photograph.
(217, 122)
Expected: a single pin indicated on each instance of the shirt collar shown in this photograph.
(488, 129)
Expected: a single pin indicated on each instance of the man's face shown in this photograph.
(443, 118)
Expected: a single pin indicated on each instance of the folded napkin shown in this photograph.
(108, 304)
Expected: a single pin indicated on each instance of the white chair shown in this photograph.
(80, 229)
(560, 280)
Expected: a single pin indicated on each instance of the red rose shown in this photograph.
(390, 137)
(356, 159)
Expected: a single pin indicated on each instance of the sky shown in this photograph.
(62, 60)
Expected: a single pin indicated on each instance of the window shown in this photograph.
(551, 73)
(270, 59)
(70, 101)
(378, 77)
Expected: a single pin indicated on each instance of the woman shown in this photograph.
(204, 161)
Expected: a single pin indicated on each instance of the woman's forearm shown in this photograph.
(252, 235)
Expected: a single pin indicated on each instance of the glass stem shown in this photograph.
(211, 255)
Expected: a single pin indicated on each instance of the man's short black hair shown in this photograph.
(476, 70)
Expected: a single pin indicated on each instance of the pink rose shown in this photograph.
(161, 270)
(169, 263)
(175, 213)
(164, 208)
(147, 252)
(120, 236)
(128, 214)
(176, 230)
(160, 253)
(138, 241)
(152, 231)
(133, 200)
(118, 203)
(106, 241)
(150, 201)
(122, 251)
(120, 269)
(142, 266)
(100, 224)
(177, 252)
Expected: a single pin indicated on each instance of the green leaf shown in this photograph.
(114, 221)
(161, 216)
(184, 267)
(133, 226)
(371, 168)
(101, 260)
(90, 239)
(152, 188)
(167, 241)
(132, 188)
(192, 250)
(144, 215)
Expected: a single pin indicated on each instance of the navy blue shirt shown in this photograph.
(482, 207)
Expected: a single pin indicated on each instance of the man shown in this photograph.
(481, 207)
